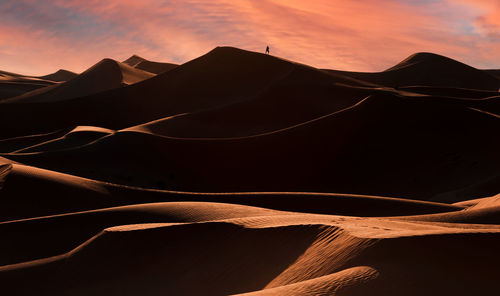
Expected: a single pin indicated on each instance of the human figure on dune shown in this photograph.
(267, 49)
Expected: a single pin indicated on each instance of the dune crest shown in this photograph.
(430, 70)
(60, 75)
(105, 75)
(149, 66)
(242, 173)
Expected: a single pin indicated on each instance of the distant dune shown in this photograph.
(60, 76)
(149, 66)
(240, 173)
(105, 75)
(12, 84)
(431, 70)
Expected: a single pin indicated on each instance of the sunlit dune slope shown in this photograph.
(12, 84)
(23, 187)
(79, 136)
(482, 211)
(150, 66)
(268, 252)
(105, 75)
(240, 173)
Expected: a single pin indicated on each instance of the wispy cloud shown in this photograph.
(487, 19)
(41, 36)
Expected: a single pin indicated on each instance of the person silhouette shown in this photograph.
(267, 49)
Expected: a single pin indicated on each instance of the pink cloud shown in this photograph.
(488, 20)
(358, 35)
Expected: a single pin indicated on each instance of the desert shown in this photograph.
(244, 173)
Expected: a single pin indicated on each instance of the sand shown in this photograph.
(149, 66)
(239, 173)
(431, 70)
(105, 75)
(12, 84)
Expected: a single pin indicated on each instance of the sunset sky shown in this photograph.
(41, 36)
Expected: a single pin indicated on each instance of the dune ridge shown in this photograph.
(105, 75)
(240, 173)
(370, 123)
(149, 66)
(71, 193)
(337, 248)
(431, 70)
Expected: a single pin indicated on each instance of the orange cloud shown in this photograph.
(488, 21)
(358, 35)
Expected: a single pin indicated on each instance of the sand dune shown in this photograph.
(259, 115)
(13, 89)
(78, 136)
(277, 253)
(239, 173)
(14, 77)
(456, 149)
(17, 143)
(223, 76)
(451, 92)
(427, 69)
(105, 75)
(240, 120)
(60, 75)
(22, 186)
(55, 234)
(150, 66)
(349, 281)
(494, 72)
(12, 84)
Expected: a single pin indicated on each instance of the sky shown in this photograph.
(41, 36)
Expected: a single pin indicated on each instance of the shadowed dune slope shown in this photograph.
(54, 235)
(17, 143)
(152, 67)
(480, 211)
(23, 186)
(78, 136)
(174, 274)
(223, 76)
(19, 78)
(489, 215)
(385, 145)
(295, 105)
(60, 75)
(368, 256)
(302, 96)
(29, 192)
(12, 84)
(451, 92)
(494, 72)
(9, 89)
(428, 69)
(240, 173)
(105, 75)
